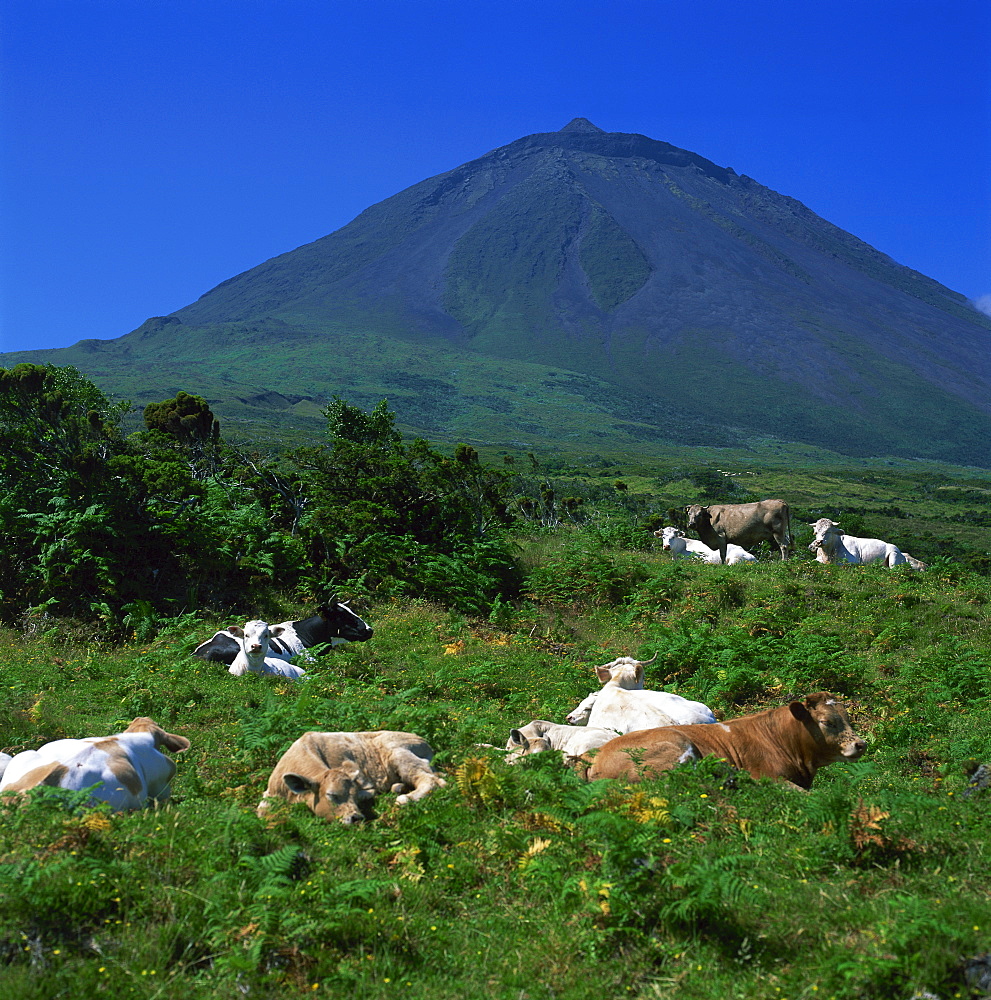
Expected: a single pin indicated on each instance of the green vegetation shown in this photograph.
(98, 524)
(510, 881)
(500, 253)
(614, 265)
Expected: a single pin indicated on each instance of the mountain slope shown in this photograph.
(675, 295)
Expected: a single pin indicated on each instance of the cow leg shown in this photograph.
(676, 749)
(661, 752)
(415, 773)
(423, 784)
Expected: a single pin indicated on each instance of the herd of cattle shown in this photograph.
(727, 531)
(621, 730)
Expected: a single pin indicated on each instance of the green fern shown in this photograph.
(708, 887)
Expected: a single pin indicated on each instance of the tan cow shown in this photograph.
(338, 775)
(789, 743)
(743, 524)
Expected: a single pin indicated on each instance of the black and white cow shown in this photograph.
(333, 624)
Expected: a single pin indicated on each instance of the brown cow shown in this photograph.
(339, 774)
(789, 743)
(743, 524)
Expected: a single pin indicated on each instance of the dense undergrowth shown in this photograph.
(524, 882)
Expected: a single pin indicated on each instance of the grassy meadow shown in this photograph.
(522, 882)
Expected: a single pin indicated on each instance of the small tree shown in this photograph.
(191, 423)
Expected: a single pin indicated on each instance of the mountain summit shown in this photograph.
(600, 288)
(581, 125)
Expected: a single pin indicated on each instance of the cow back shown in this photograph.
(789, 743)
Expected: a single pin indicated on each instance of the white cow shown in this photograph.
(831, 546)
(127, 769)
(674, 541)
(622, 704)
(540, 735)
(254, 656)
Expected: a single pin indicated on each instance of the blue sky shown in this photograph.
(150, 149)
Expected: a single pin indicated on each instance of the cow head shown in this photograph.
(824, 532)
(255, 636)
(666, 534)
(346, 624)
(697, 514)
(342, 793)
(579, 715)
(827, 721)
(624, 672)
(522, 745)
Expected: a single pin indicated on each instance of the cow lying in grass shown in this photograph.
(830, 545)
(622, 704)
(333, 623)
(255, 657)
(790, 743)
(127, 769)
(673, 540)
(540, 735)
(338, 775)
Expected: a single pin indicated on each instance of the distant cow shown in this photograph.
(674, 541)
(540, 735)
(831, 546)
(744, 524)
(339, 774)
(127, 769)
(622, 704)
(254, 656)
(333, 624)
(789, 743)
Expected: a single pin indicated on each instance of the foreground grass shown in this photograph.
(524, 881)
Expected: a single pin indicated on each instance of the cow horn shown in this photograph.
(647, 663)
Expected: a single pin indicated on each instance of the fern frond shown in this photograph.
(477, 782)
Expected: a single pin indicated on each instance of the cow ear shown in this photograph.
(170, 741)
(799, 710)
(236, 630)
(277, 630)
(639, 673)
(350, 769)
(604, 674)
(516, 738)
(299, 785)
